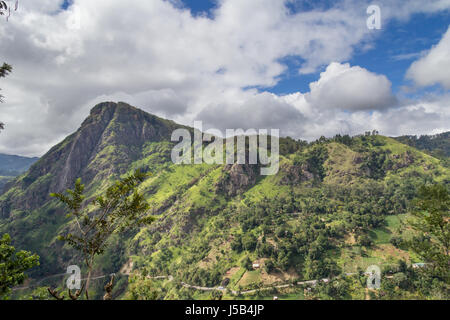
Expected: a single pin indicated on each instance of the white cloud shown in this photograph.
(257, 111)
(362, 101)
(162, 59)
(428, 116)
(434, 67)
(350, 88)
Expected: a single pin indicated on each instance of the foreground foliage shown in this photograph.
(432, 223)
(119, 208)
(13, 265)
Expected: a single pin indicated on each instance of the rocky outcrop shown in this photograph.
(5, 208)
(404, 160)
(237, 178)
(106, 143)
(295, 174)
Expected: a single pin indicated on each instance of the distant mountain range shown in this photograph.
(333, 207)
(437, 145)
(12, 166)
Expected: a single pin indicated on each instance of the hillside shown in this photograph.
(4, 180)
(437, 145)
(333, 207)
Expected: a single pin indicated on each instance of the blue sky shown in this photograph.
(157, 57)
(396, 46)
(400, 43)
(66, 4)
(200, 7)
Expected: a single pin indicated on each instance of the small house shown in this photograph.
(418, 265)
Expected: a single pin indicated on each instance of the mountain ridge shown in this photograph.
(100, 132)
(12, 166)
(210, 217)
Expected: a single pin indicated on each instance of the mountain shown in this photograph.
(12, 166)
(334, 206)
(107, 143)
(437, 145)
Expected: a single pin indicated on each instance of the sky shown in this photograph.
(309, 68)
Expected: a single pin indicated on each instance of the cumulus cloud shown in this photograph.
(428, 116)
(350, 88)
(363, 101)
(434, 67)
(257, 111)
(158, 56)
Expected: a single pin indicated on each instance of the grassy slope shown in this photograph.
(341, 170)
(191, 211)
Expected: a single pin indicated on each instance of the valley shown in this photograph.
(336, 207)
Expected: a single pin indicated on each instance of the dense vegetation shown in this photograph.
(437, 145)
(13, 265)
(307, 230)
(336, 207)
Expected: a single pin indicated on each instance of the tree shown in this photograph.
(120, 207)
(338, 288)
(249, 241)
(142, 288)
(365, 240)
(400, 280)
(216, 295)
(5, 9)
(269, 266)
(13, 265)
(5, 69)
(431, 221)
(246, 263)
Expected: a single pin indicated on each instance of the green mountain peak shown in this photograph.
(329, 198)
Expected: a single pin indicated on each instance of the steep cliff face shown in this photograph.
(106, 143)
(237, 178)
(111, 139)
